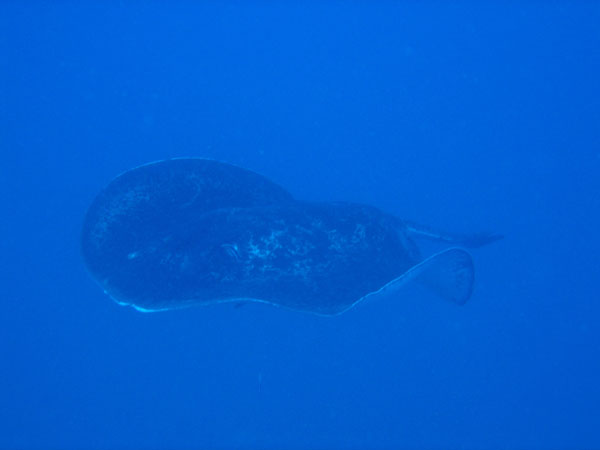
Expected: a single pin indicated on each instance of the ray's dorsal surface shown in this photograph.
(193, 231)
(146, 202)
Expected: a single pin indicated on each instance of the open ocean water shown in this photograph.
(465, 116)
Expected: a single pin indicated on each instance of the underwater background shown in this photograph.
(466, 116)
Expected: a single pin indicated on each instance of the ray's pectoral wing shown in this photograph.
(449, 274)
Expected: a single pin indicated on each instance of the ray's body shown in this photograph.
(194, 231)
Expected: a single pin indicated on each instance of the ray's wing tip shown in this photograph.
(451, 274)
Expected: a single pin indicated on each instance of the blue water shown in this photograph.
(463, 116)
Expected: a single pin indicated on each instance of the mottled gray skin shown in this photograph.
(192, 231)
(152, 202)
(316, 257)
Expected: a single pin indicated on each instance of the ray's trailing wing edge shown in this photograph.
(473, 240)
(450, 274)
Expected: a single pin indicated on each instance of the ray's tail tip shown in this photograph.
(481, 239)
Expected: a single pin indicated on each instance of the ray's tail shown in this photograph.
(473, 240)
